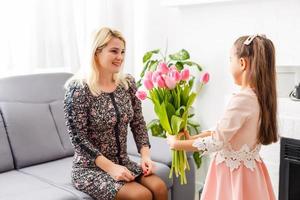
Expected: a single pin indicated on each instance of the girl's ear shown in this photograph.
(243, 63)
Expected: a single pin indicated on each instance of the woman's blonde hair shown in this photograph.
(262, 77)
(99, 41)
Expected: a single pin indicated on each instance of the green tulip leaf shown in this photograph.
(153, 65)
(191, 100)
(156, 129)
(179, 65)
(191, 63)
(149, 54)
(176, 124)
(161, 112)
(197, 159)
(180, 56)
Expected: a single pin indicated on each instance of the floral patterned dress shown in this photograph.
(98, 126)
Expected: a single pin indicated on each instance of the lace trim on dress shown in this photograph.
(208, 145)
(233, 159)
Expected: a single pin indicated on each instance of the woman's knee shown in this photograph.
(144, 194)
(159, 188)
(134, 192)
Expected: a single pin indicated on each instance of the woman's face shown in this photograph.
(111, 57)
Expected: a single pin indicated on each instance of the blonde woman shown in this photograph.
(98, 109)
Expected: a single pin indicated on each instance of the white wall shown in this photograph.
(209, 30)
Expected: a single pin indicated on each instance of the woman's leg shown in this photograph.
(134, 191)
(157, 186)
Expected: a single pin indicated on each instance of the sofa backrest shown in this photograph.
(6, 160)
(32, 111)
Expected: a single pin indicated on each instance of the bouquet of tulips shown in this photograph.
(170, 88)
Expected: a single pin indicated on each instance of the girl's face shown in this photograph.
(111, 57)
(236, 66)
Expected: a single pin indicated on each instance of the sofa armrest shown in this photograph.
(186, 191)
(160, 150)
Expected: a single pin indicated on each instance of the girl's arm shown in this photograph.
(186, 145)
(202, 134)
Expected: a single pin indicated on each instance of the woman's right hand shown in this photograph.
(120, 173)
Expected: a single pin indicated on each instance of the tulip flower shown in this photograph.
(205, 78)
(163, 68)
(149, 75)
(141, 95)
(161, 82)
(174, 73)
(185, 74)
(155, 76)
(173, 67)
(170, 82)
(148, 84)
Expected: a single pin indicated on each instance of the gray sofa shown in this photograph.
(35, 151)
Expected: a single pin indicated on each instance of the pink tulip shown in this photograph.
(205, 78)
(170, 82)
(175, 75)
(161, 82)
(148, 84)
(148, 75)
(173, 67)
(155, 76)
(141, 95)
(163, 68)
(185, 74)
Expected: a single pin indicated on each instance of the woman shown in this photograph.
(98, 109)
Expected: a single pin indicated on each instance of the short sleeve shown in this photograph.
(137, 124)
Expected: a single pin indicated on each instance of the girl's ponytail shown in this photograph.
(262, 77)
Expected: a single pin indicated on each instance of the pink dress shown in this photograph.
(236, 171)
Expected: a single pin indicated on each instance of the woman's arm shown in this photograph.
(147, 164)
(137, 124)
(76, 106)
(117, 172)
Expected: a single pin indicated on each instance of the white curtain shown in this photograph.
(53, 35)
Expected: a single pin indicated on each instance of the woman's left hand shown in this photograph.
(147, 166)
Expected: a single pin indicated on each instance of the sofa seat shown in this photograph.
(58, 174)
(16, 185)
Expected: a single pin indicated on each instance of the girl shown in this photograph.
(237, 171)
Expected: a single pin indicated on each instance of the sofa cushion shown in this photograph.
(6, 159)
(31, 132)
(57, 110)
(34, 88)
(57, 173)
(17, 185)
